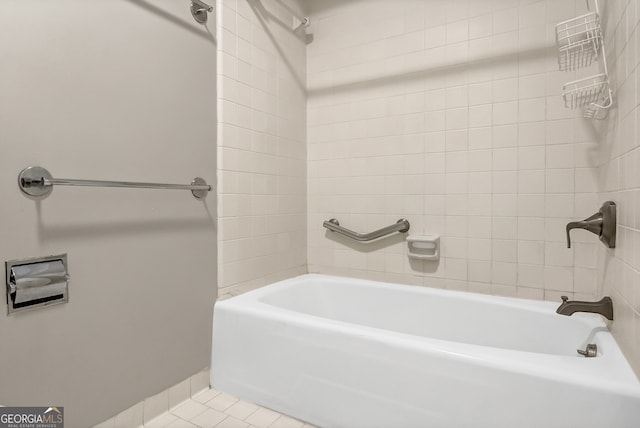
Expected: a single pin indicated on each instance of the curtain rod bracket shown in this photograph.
(199, 11)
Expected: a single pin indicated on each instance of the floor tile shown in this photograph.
(181, 423)
(231, 422)
(208, 419)
(262, 417)
(206, 395)
(286, 422)
(241, 409)
(189, 410)
(222, 401)
(222, 410)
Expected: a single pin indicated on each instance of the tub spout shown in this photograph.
(603, 307)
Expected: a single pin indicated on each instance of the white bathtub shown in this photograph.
(341, 352)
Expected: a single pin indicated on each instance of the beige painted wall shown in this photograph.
(121, 90)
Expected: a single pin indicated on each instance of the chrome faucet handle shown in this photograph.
(564, 299)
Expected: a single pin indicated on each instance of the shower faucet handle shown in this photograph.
(593, 224)
(602, 223)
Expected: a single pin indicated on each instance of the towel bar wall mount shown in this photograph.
(37, 183)
(199, 11)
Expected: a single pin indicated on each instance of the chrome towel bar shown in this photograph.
(401, 226)
(37, 183)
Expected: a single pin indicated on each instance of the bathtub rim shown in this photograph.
(540, 306)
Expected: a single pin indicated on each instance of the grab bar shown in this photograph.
(37, 183)
(401, 226)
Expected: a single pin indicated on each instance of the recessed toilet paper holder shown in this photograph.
(36, 282)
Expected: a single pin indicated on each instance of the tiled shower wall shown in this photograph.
(619, 269)
(448, 113)
(261, 144)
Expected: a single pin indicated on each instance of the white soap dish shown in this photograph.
(425, 247)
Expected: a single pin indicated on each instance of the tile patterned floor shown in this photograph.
(211, 408)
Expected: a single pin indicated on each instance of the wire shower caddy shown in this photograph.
(580, 44)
